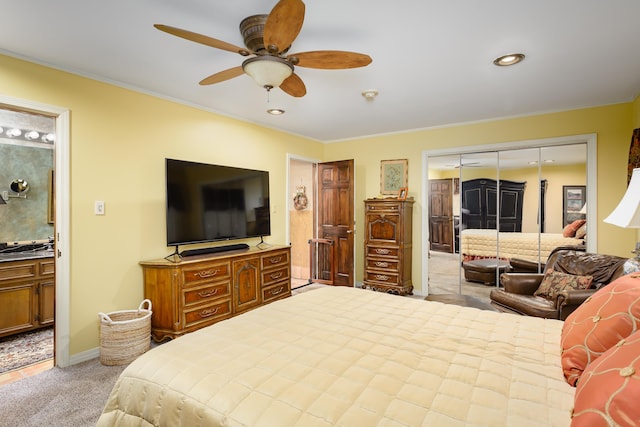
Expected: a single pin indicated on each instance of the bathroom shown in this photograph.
(27, 266)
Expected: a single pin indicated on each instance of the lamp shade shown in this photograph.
(268, 71)
(627, 213)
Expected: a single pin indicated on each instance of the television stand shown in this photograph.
(200, 291)
(214, 249)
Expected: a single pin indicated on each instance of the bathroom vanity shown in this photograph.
(27, 291)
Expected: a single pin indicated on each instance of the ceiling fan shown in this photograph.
(268, 39)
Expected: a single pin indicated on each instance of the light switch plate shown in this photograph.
(98, 207)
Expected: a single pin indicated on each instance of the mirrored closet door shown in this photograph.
(494, 209)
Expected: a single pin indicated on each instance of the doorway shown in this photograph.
(321, 228)
(57, 213)
(27, 285)
(301, 208)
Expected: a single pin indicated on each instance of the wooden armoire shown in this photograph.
(388, 245)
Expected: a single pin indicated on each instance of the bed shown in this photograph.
(477, 244)
(341, 356)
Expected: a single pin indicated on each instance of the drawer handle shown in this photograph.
(204, 294)
(277, 275)
(275, 260)
(279, 290)
(382, 277)
(210, 312)
(207, 273)
(382, 251)
(382, 264)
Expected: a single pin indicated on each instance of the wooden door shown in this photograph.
(440, 215)
(335, 222)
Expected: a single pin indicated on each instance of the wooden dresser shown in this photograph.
(387, 245)
(204, 289)
(27, 294)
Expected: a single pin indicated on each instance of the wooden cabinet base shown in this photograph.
(201, 290)
(27, 295)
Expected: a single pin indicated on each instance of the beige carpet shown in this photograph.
(69, 397)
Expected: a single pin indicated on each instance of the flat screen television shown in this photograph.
(209, 203)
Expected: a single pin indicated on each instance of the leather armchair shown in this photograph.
(517, 292)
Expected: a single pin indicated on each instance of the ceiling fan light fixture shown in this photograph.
(507, 60)
(268, 71)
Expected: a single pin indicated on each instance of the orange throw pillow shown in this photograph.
(570, 229)
(608, 391)
(612, 313)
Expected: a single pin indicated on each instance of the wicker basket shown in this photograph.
(125, 335)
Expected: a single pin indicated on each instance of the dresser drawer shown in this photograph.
(276, 291)
(272, 276)
(207, 313)
(382, 251)
(386, 277)
(208, 272)
(383, 207)
(197, 295)
(278, 259)
(382, 264)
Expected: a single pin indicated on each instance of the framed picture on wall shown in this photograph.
(393, 176)
(573, 199)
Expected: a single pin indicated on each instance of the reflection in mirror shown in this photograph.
(444, 225)
(478, 176)
(516, 191)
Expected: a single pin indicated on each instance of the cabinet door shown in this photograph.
(47, 302)
(18, 308)
(246, 283)
(383, 228)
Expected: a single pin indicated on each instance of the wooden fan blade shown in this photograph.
(294, 86)
(330, 59)
(283, 25)
(222, 76)
(205, 40)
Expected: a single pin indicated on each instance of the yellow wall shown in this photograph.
(612, 124)
(119, 139)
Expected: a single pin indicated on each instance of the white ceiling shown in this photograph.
(432, 60)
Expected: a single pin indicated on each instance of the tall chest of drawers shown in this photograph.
(202, 290)
(387, 245)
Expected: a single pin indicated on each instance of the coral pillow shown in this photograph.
(612, 313)
(608, 391)
(554, 282)
(570, 229)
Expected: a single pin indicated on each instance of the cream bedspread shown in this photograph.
(351, 357)
(482, 243)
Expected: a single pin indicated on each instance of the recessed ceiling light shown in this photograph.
(510, 59)
(275, 111)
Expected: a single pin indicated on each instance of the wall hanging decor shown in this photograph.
(393, 176)
(300, 200)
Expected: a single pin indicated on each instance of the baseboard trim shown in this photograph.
(84, 356)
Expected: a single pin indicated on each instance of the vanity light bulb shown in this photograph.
(14, 132)
(32, 135)
(48, 137)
